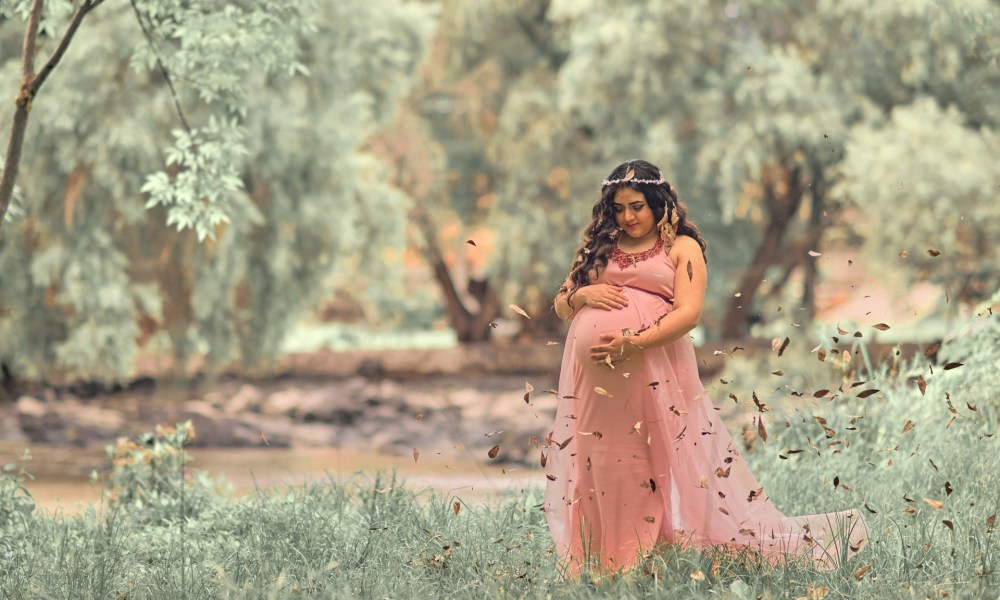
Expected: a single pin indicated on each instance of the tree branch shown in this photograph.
(12, 159)
(159, 62)
(85, 7)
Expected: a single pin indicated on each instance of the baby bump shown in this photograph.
(590, 323)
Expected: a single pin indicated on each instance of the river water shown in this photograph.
(63, 483)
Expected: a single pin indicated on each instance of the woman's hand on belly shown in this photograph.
(603, 296)
(615, 347)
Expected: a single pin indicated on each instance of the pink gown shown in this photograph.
(638, 456)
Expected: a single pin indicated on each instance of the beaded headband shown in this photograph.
(630, 178)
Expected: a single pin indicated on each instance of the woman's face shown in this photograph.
(632, 214)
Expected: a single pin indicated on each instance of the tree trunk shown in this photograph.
(780, 209)
(469, 326)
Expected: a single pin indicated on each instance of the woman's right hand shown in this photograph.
(603, 296)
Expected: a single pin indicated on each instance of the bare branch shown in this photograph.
(85, 7)
(146, 31)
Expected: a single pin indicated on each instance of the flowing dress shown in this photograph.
(638, 455)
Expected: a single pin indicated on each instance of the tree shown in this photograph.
(91, 274)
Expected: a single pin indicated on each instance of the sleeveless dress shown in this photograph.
(638, 455)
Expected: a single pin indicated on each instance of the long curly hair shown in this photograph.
(601, 236)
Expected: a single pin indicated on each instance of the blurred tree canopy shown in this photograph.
(260, 113)
(768, 116)
(198, 175)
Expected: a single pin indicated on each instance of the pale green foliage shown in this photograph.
(279, 100)
(926, 180)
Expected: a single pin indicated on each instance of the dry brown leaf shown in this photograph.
(416, 454)
(953, 365)
(821, 355)
(470, 242)
(949, 525)
(813, 253)
(760, 429)
(936, 504)
(697, 575)
(456, 506)
(847, 356)
(690, 271)
(493, 451)
(922, 384)
(867, 393)
(991, 521)
(821, 393)
(933, 252)
(544, 459)
(869, 509)
(908, 426)
(518, 310)
(860, 573)
(603, 391)
(881, 327)
(903, 253)
(778, 373)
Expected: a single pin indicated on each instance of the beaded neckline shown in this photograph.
(625, 259)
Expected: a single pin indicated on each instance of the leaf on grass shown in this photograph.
(518, 310)
(991, 521)
(935, 504)
(869, 509)
(949, 525)
(456, 506)
(867, 393)
(908, 426)
(697, 575)
(860, 573)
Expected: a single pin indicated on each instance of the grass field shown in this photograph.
(918, 455)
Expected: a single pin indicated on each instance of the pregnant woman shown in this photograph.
(637, 455)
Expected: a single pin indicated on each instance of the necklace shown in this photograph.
(625, 259)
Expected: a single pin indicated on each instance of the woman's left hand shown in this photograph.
(616, 348)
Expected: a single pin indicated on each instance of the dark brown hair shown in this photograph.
(600, 237)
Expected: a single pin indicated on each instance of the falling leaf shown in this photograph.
(949, 525)
(930, 350)
(723, 510)
(814, 253)
(494, 451)
(457, 506)
(841, 331)
(953, 365)
(697, 575)
(596, 434)
(690, 271)
(847, 356)
(637, 427)
(544, 459)
(649, 519)
(629, 174)
(867, 393)
(775, 343)
(652, 484)
(420, 416)
(971, 407)
(784, 345)
(720, 472)
(603, 391)
(778, 373)
(737, 294)
(935, 504)
(860, 573)
(733, 396)
(933, 252)
(922, 384)
(416, 454)
(760, 429)
(821, 393)
(518, 310)
(881, 327)
(908, 426)
(821, 355)
(903, 253)
(869, 509)
(470, 242)
(550, 477)
(551, 343)
(948, 489)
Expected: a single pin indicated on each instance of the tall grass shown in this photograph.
(929, 493)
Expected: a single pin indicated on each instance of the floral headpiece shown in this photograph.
(630, 177)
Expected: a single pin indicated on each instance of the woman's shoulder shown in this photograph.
(684, 246)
